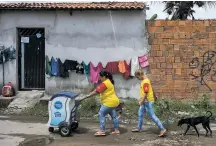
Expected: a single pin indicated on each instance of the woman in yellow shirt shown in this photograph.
(146, 103)
(109, 102)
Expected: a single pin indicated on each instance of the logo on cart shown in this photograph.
(57, 114)
(58, 105)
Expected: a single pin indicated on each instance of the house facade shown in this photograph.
(89, 32)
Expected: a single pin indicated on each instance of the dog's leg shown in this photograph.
(204, 126)
(188, 127)
(196, 130)
(208, 126)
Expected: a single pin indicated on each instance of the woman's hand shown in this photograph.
(140, 102)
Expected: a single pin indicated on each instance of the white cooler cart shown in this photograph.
(62, 112)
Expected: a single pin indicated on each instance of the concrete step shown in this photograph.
(45, 99)
(23, 100)
(5, 101)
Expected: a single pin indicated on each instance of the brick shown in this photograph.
(158, 65)
(159, 53)
(169, 65)
(183, 35)
(155, 47)
(177, 59)
(177, 53)
(212, 47)
(169, 77)
(150, 23)
(182, 23)
(165, 53)
(175, 65)
(186, 29)
(176, 35)
(151, 59)
(176, 47)
(161, 59)
(201, 41)
(188, 22)
(212, 23)
(163, 41)
(155, 29)
(212, 35)
(211, 28)
(201, 35)
(152, 41)
(180, 41)
(212, 41)
(198, 23)
(153, 53)
(199, 29)
(196, 54)
(165, 35)
(170, 29)
(153, 65)
(163, 65)
(156, 60)
(172, 23)
(206, 23)
(160, 23)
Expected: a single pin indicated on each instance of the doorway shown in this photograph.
(31, 58)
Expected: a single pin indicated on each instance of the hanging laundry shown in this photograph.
(62, 71)
(86, 68)
(143, 61)
(80, 69)
(134, 65)
(121, 66)
(70, 64)
(112, 67)
(94, 72)
(54, 67)
(127, 73)
(48, 65)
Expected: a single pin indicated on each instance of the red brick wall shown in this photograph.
(174, 44)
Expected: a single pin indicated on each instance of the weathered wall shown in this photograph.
(87, 36)
(183, 56)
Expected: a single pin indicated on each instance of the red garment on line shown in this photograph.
(112, 67)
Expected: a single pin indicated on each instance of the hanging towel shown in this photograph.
(86, 68)
(121, 66)
(94, 72)
(62, 71)
(134, 65)
(54, 67)
(143, 61)
(127, 73)
(70, 64)
(48, 66)
(112, 67)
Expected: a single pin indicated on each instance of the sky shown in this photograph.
(155, 8)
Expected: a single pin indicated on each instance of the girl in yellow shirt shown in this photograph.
(109, 102)
(146, 103)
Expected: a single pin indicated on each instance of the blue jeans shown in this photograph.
(148, 107)
(104, 110)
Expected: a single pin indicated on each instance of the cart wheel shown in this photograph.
(65, 131)
(74, 125)
(51, 129)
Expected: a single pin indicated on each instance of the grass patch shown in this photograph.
(164, 108)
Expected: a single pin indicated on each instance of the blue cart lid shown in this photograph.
(66, 94)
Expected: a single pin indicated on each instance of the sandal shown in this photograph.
(100, 133)
(162, 133)
(136, 130)
(116, 132)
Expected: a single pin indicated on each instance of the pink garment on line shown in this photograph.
(94, 72)
(143, 61)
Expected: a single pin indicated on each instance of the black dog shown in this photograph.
(193, 121)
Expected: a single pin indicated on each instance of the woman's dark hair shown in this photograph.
(107, 75)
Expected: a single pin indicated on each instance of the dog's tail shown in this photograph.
(210, 114)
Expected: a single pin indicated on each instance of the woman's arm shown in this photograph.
(92, 93)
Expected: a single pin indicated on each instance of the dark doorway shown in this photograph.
(31, 58)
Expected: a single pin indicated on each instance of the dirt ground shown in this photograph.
(16, 129)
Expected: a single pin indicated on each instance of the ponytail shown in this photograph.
(107, 75)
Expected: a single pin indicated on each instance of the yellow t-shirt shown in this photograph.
(146, 88)
(108, 97)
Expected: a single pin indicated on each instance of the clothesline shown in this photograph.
(55, 67)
